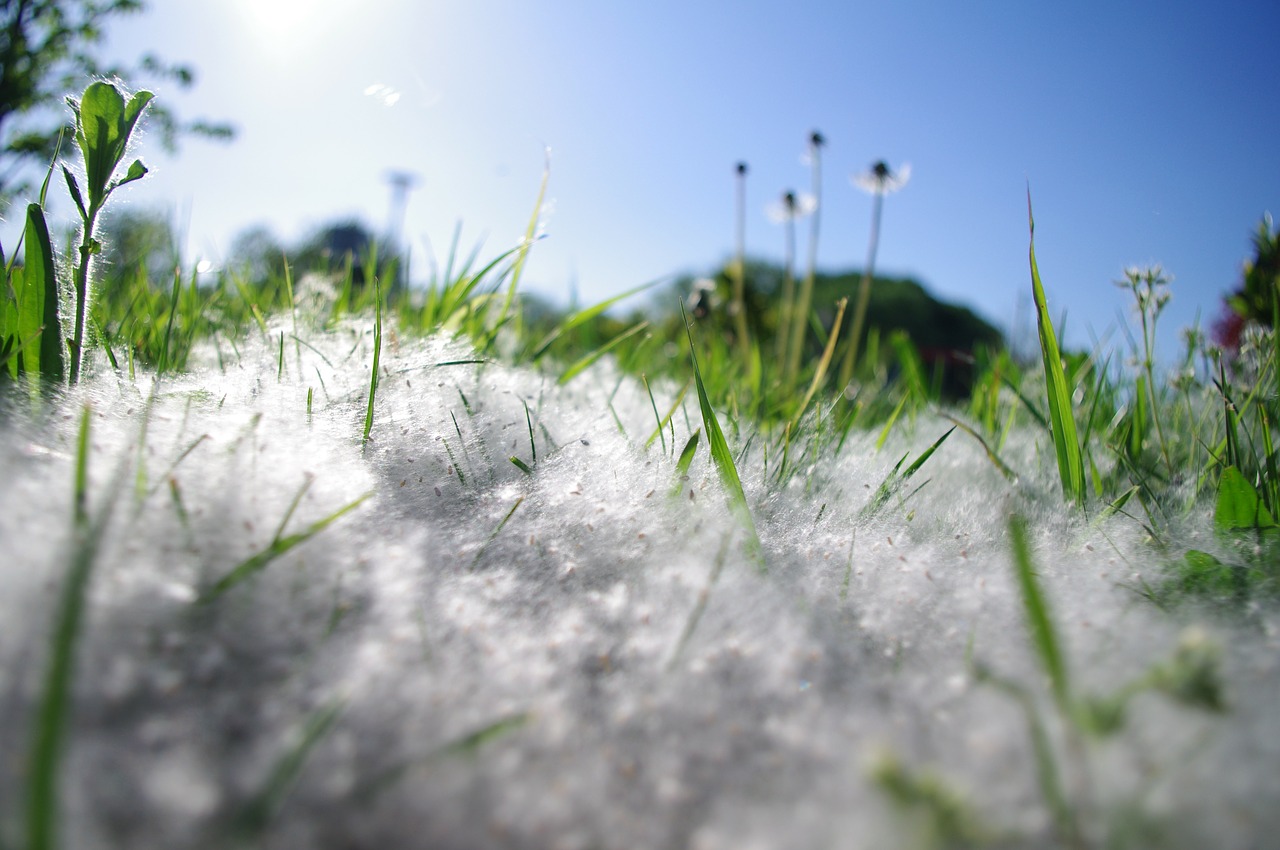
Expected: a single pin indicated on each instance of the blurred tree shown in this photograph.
(257, 254)
(944, 334)
(331, 247)
(137, 242)
(47, 49)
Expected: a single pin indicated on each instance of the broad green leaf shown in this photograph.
(1238, 504)
(1201, 572)
(99, 125)
(103, 126)
(38, 302)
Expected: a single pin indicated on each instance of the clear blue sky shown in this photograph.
(1148, 132)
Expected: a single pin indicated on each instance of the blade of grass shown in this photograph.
(700, 606)
(585, 362)
(279, 546)
(1065, 442)
(586, 314)
(263, 807)
(496, 531)
(377, 356)
(722, 456)
(1044, 638)
(48, 735)
(823, 364)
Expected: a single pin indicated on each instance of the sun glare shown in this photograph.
(290, 26)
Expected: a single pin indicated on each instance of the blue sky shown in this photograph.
(1147, 132)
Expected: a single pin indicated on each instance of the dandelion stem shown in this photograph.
(864, 295)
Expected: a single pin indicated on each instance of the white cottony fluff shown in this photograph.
(543, 660)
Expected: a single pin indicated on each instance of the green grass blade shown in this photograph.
(580, 317)
(1065, 442)
(522, 254)
(999, 464)
(168, 328)
(699, 606)
(498, 529)
(823, 364)
(584, 363)
(893, 482)
(44, 761)
(720, 454)
(278, 546)
(467, 746)
(656, 417)
(377, 357)
(1044, 638)
(665, 422)
(686, 454)
(262, 808)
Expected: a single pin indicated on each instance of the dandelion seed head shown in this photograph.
(791, 206)
(881, 179)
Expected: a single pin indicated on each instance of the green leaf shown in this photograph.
(1239, 505)
(686, 454)
(136, 172)
(73, 186)
(103, 126)
(1201, 572)
(1063, 426)
(38, 302)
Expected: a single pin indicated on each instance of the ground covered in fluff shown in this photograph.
(587, 655)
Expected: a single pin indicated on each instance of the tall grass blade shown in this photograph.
(377, 356)
(1065, 442)
(824, 363)
(44, 760)
(720, 454)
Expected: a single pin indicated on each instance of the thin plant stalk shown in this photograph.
(800, 315)
(787, 309)
(879, 181)
(864, 294)
(739, 305)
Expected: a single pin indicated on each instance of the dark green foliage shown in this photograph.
(946, 335)
(1256, 298)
